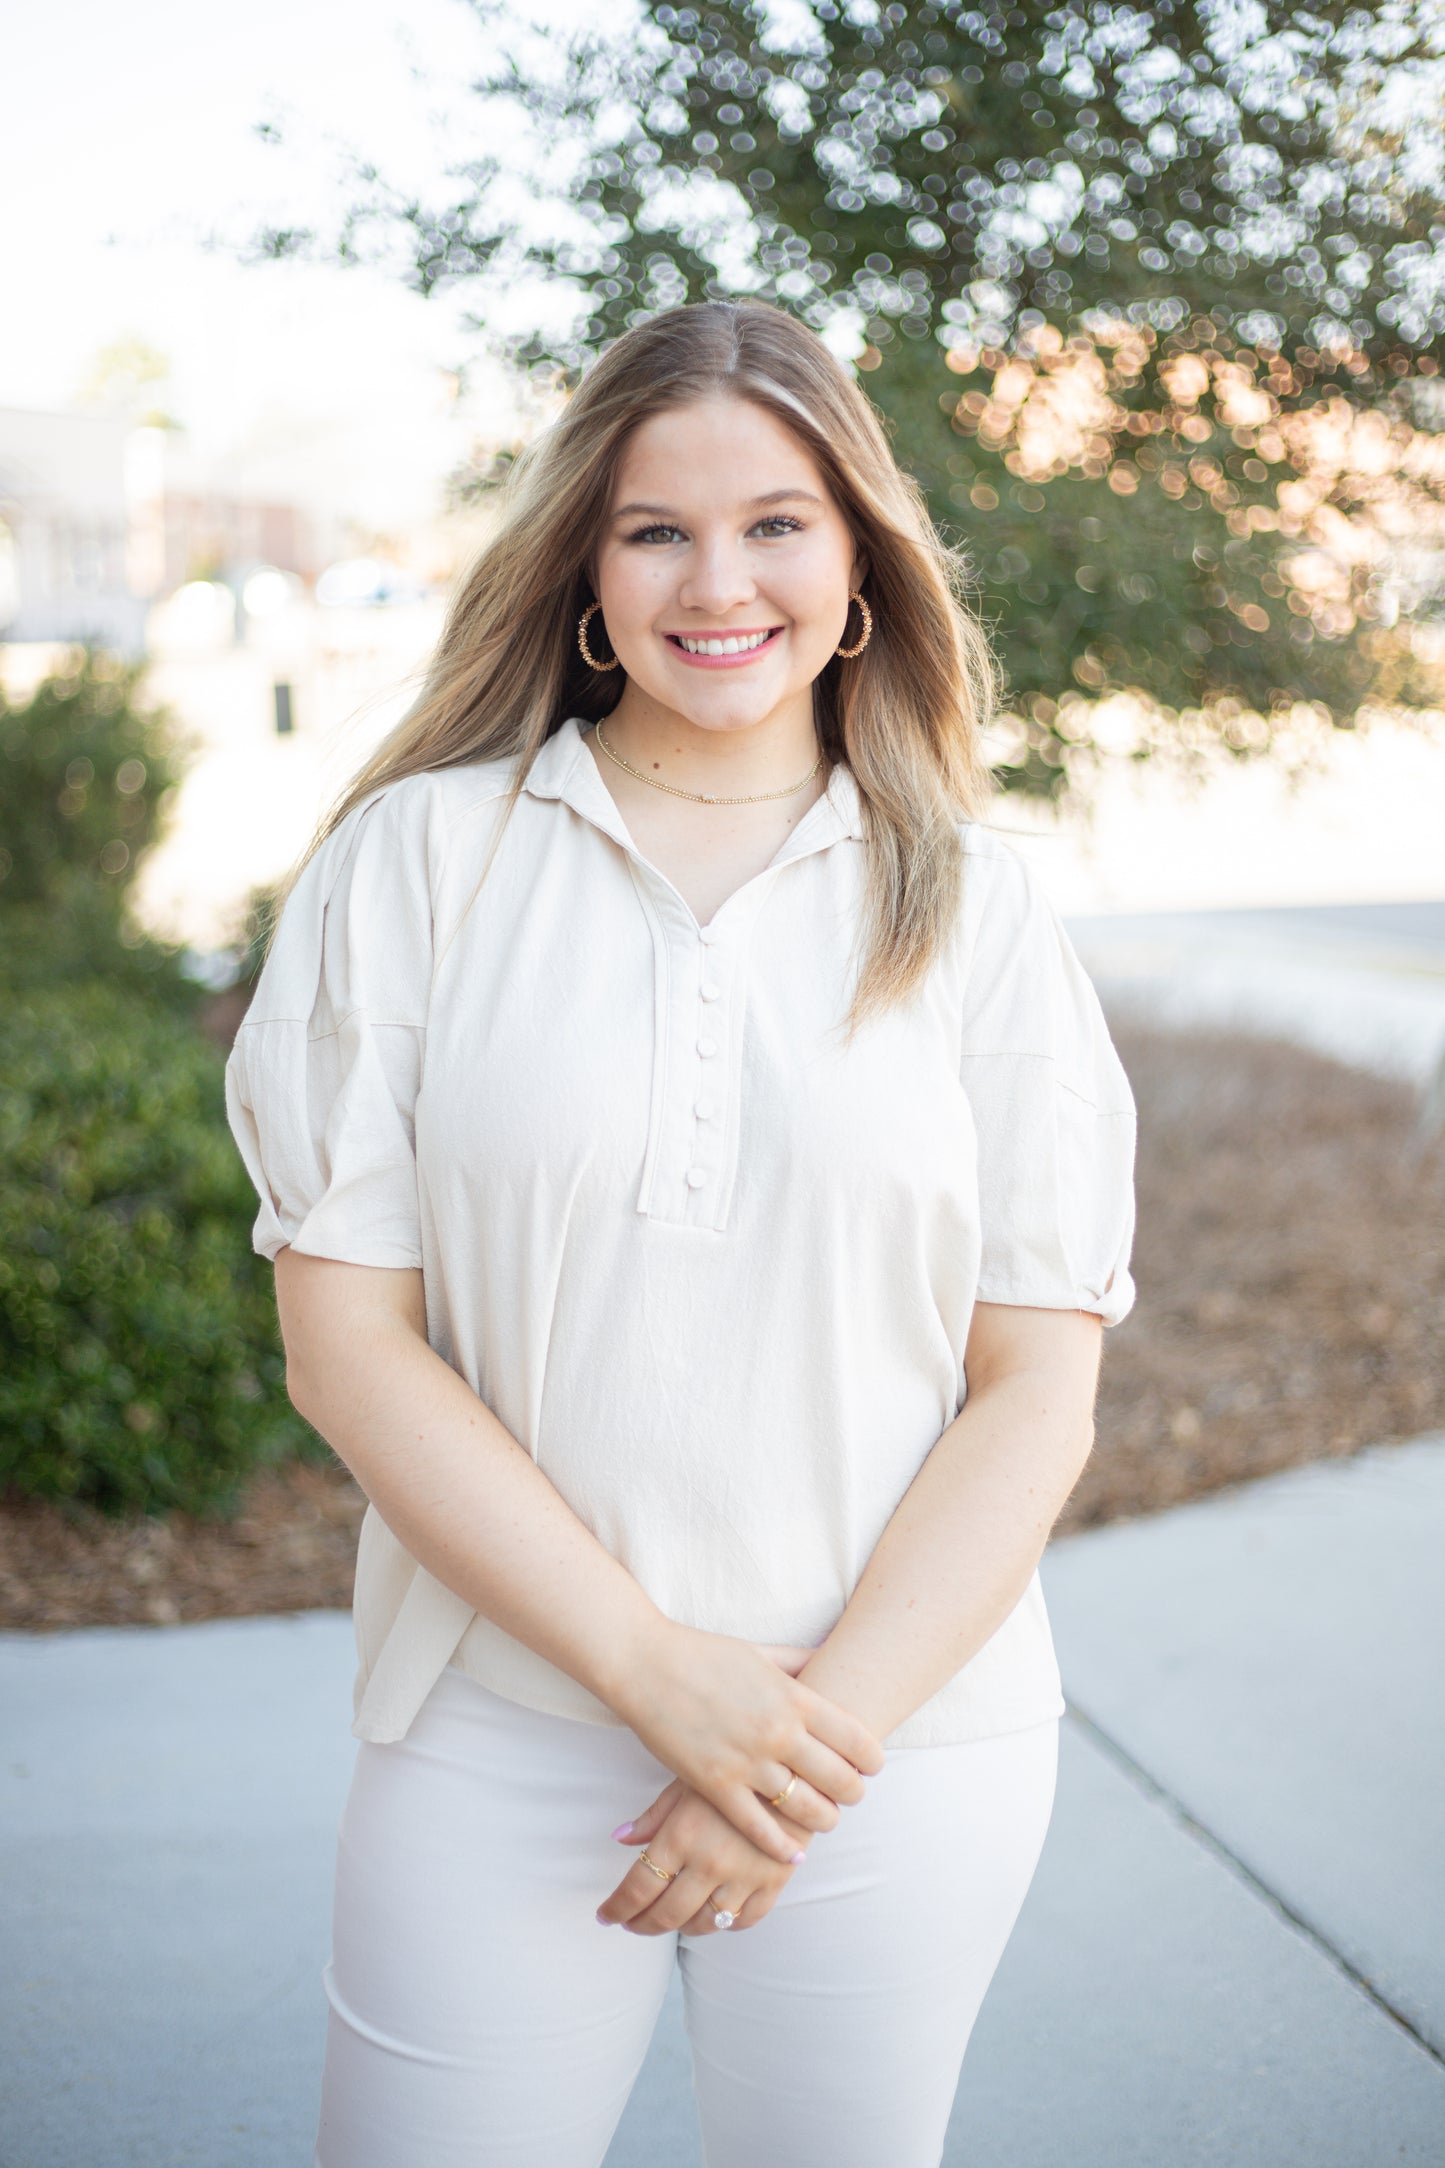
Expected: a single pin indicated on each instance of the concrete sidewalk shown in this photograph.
(1233, 1950)
(1364, 983)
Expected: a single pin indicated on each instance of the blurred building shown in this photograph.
(65, 572)
(99, 519)
(184, 525)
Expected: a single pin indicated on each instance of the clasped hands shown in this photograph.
(734, 1721)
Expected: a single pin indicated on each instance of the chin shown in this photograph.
(729, 715)
(727, 707)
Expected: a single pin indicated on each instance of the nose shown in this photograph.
(717, 577)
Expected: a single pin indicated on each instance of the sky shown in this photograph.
(131, 133)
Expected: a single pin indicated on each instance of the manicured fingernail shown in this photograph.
(602, 1922)
(798, 1858)
(624, 1829)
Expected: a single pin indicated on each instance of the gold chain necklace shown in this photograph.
(700, 797)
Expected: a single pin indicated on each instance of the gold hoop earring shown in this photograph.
(848, 653)
(587, 655)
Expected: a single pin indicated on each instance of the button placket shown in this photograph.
(697, 1044)
(714, 1103)
(667, 1053)
(684, 1161)
(711, 1039)
(690, 1164)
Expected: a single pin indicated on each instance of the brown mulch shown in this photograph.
(1290, 1257)
(1291, 1264)
(291, 1547)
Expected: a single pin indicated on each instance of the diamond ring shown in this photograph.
(723, 1919)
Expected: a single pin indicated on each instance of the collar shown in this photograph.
(563, 767)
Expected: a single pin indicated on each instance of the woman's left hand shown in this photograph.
(716, 1869)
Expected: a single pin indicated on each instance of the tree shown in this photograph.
(129, 377)
(1153, 297)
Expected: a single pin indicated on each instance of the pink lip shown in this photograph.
(724, 662)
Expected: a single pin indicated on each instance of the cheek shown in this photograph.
(814, 591)
(818, 574)
(632, 586)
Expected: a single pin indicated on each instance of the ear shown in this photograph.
(860, 571)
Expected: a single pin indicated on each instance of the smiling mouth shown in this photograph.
(723, 646)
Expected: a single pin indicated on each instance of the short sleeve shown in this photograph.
(1052, 1106)
(322, 1081)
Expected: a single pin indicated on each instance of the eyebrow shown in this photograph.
(665, 511)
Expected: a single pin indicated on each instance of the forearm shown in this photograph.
(465, 1499)
(475, 1510)
(959, 1551)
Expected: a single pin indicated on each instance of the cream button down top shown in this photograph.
(712, 1270)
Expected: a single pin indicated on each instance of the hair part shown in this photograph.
(907, 716)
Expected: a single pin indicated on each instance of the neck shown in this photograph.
(719, 759)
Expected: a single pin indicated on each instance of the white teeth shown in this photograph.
(729, 646)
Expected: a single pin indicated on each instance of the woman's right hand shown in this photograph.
(727, 1717)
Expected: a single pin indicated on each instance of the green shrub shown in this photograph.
(140, 1364)
(87, 769)
(140, 1361)
(78, 935)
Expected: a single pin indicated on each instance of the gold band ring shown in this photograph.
(661, 1872)
(785, 1791)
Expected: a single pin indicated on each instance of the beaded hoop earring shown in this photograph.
(848, 653)
(587, 655)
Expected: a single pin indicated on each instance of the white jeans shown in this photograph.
(481, 2018)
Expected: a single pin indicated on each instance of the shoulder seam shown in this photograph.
(476, 804)
(303, 1023)
(451, 821)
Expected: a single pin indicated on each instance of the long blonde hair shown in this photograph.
(907, 716)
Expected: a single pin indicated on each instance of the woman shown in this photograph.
(697, 1173)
